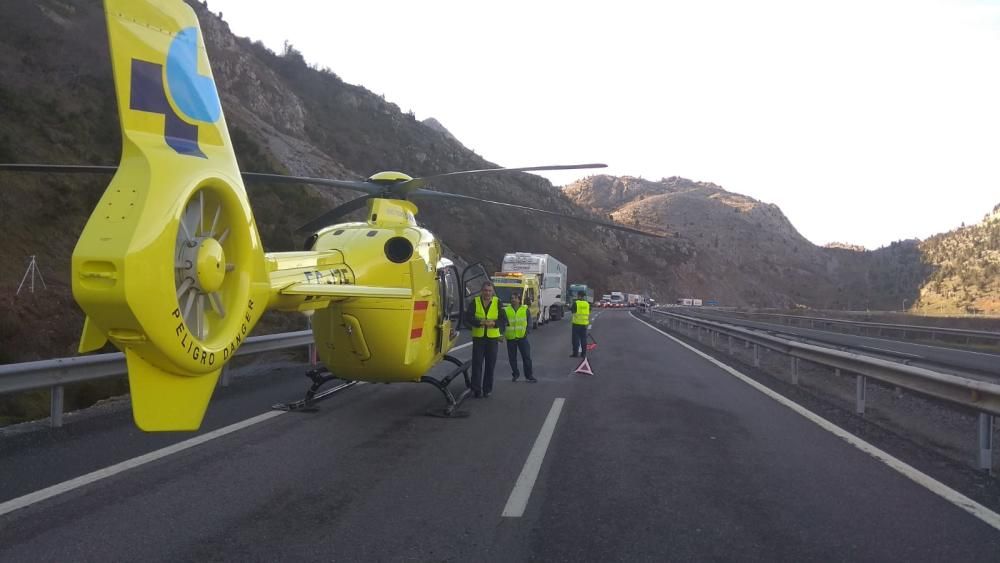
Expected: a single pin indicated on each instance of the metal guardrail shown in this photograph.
(981, 396)
(933, 330)
(56, 373)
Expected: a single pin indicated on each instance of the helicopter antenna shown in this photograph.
(32, 271)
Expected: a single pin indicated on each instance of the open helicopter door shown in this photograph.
(473, 277)
(450, 311)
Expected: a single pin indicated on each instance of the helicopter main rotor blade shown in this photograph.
(403, 188)
(59, 168)
(359, 186)
(331, 216)
(431, 193)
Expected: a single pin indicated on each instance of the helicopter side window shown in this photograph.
(450, 293)
(529, 298)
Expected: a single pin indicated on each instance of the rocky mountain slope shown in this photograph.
(285, 115)
(743, 251)
(965, 266)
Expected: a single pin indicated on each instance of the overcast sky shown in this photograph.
(865, 121)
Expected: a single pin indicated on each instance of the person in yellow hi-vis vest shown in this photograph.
(581, 319)
(516, 335)
(487, 325)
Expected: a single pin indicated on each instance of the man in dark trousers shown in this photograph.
(516, 335)
(487, 324)
(581, 318)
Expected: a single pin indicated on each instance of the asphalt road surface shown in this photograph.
(661, 455)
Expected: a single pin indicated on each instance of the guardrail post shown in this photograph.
(985, 442)
(224, 378)
(861, 386)
(56, 406)
(730, 345)
(756, 355)
(795, 370)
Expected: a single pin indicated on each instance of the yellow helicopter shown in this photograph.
(170, 267)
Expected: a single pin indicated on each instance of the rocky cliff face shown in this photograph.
(284, 116)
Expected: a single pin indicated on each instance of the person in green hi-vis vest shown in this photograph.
(516, 335)
(581, 318)
(487, 326)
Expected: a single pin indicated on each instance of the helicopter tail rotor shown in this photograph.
(169, 267)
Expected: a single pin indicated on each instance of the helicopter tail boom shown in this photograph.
(303, 281)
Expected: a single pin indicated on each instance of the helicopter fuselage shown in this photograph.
(376, 339)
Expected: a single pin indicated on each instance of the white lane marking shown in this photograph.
(66, 486)
(518, 499)
(94, 476)
(893, 352)
(912, 473)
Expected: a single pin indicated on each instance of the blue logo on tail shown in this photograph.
(195, 95)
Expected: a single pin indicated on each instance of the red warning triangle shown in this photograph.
(584, 367)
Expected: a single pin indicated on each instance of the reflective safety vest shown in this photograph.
(582, 314)
(492, 314)
(517, 322)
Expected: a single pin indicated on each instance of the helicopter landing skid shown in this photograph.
(450, 411)
(319, 378)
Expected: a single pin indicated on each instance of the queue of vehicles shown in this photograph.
(619, 299)
(541, 282)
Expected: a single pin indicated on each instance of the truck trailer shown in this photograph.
(552, 276)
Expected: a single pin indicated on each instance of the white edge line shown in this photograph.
(66, 486)
(518, 499)
(467, 344)
(912, 473)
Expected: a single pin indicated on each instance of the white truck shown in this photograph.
(617, 299)
(552, 280)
